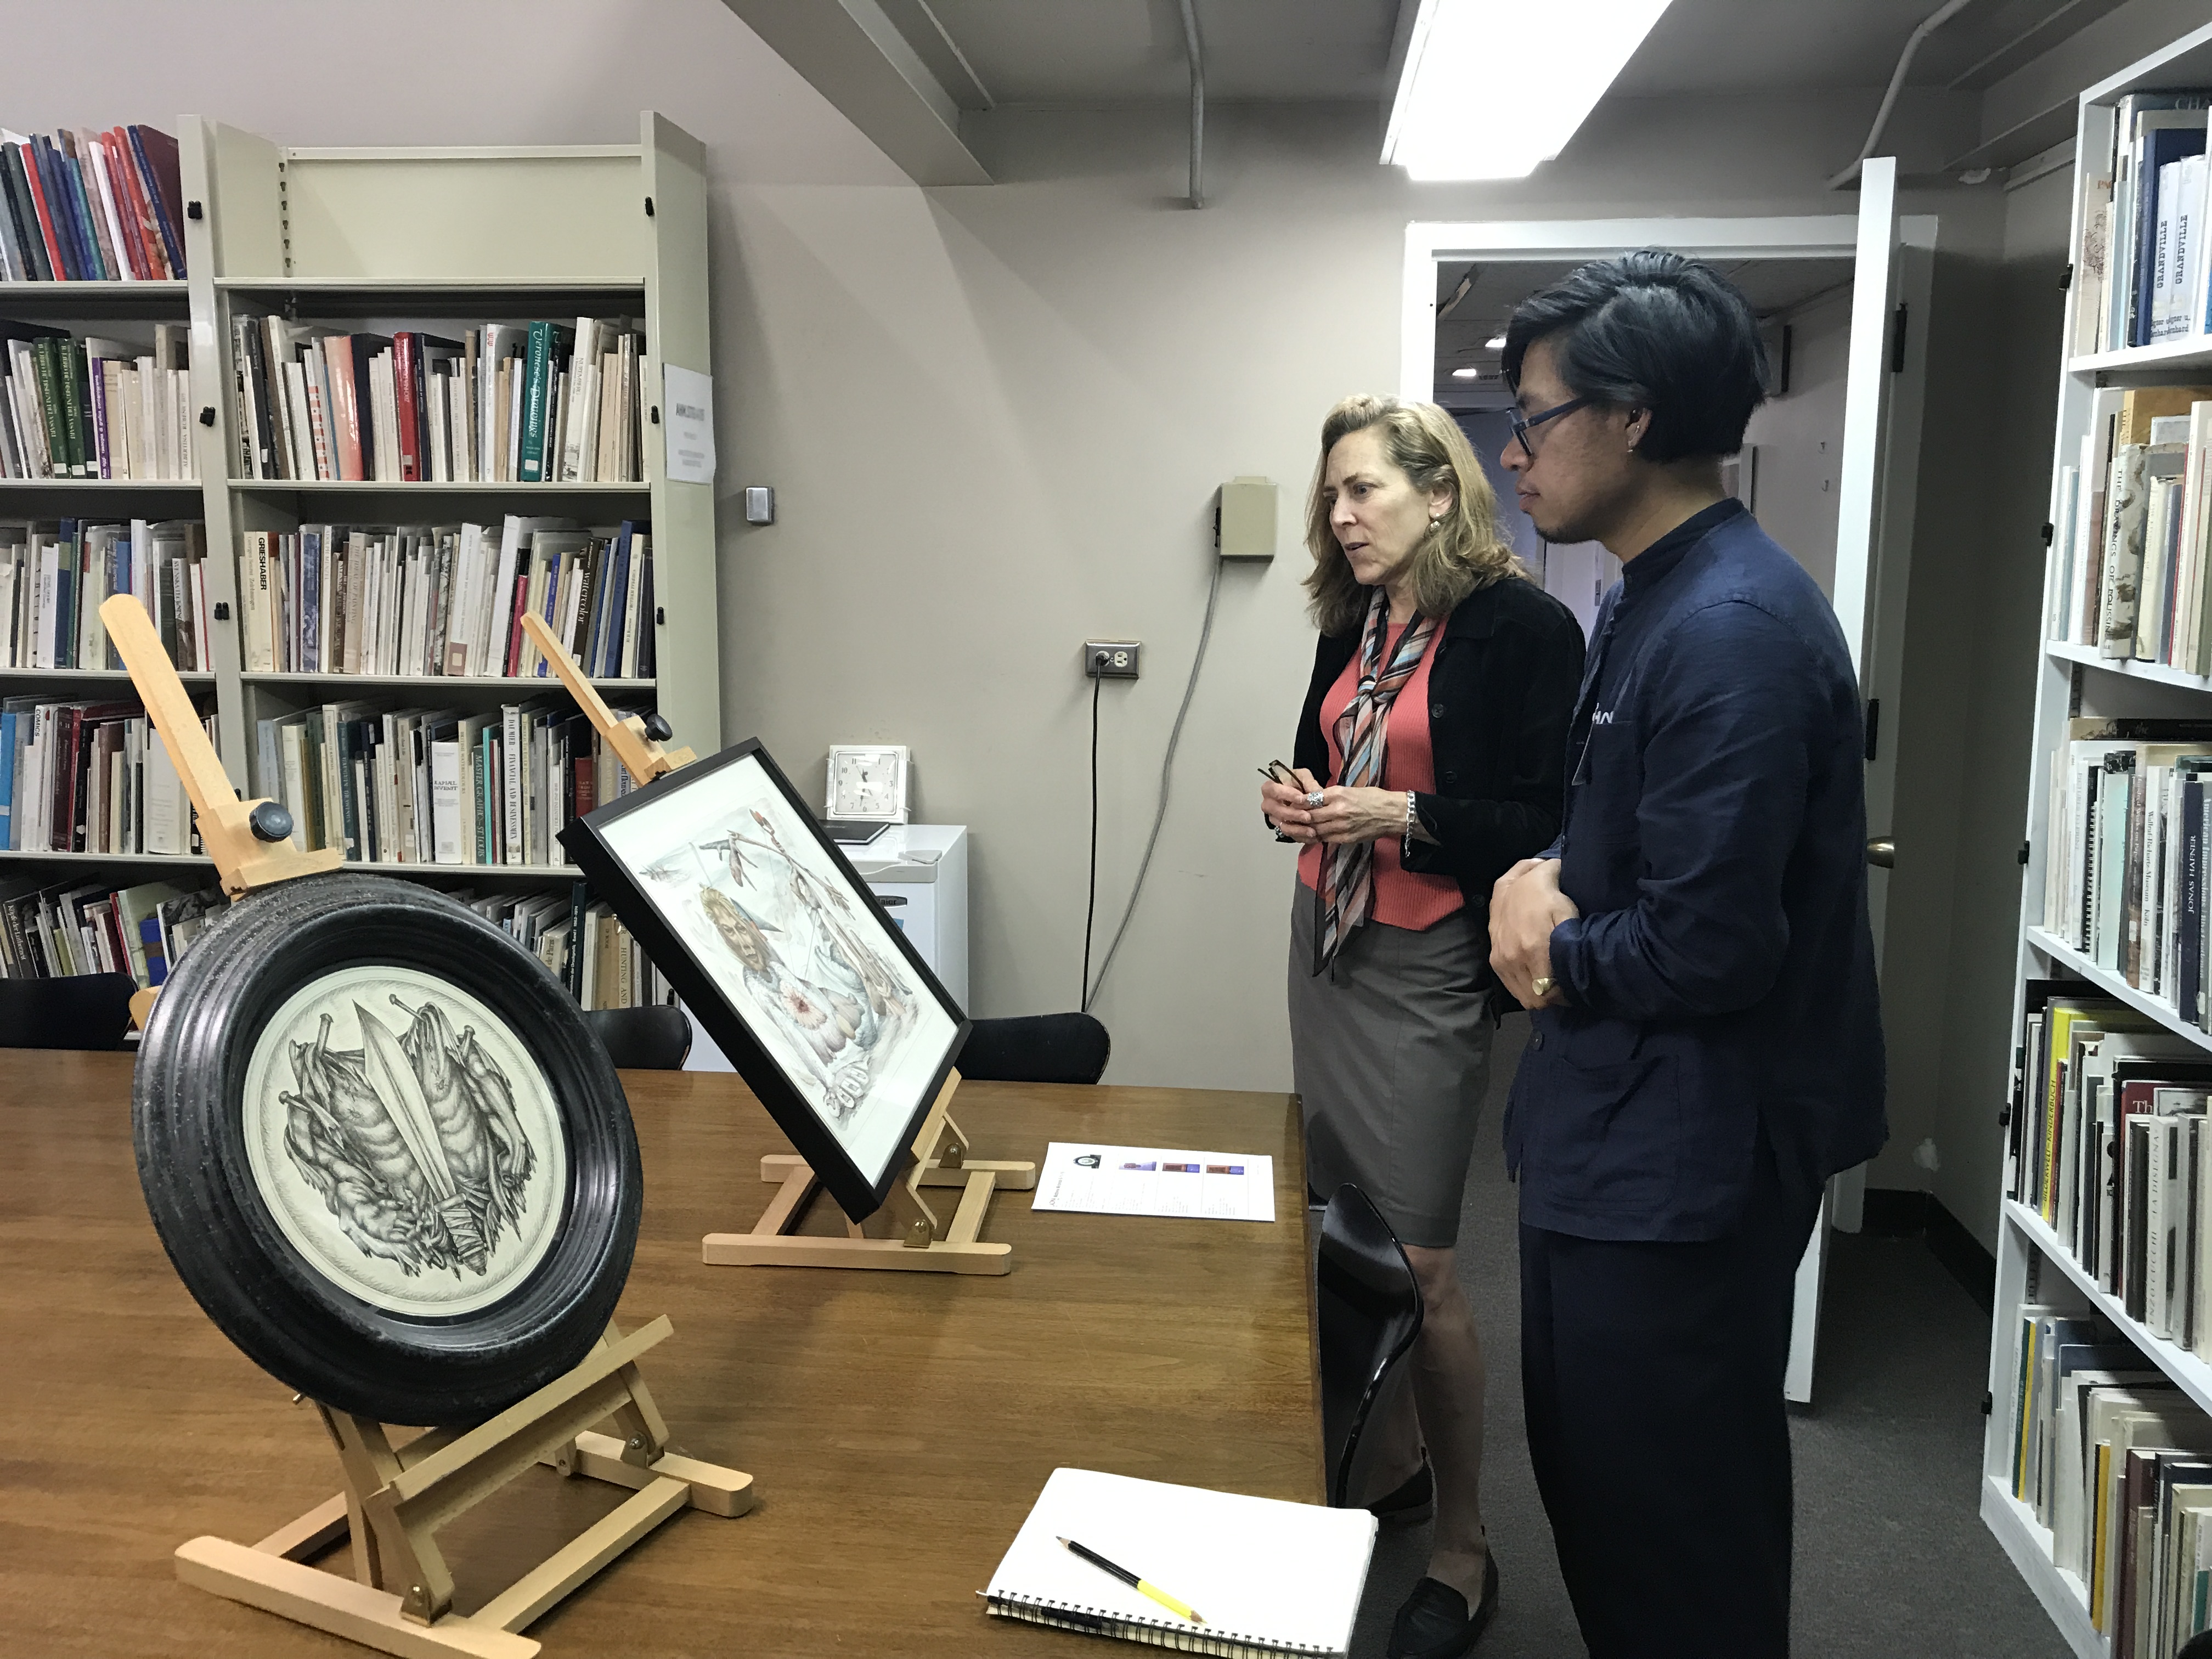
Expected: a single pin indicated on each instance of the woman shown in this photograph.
(1431, 756)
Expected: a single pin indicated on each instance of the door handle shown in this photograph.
(1882, 852)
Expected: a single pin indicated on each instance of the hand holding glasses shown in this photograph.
(1288, 792)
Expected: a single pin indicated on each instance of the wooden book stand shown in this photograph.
(905, 1234)
(400, 1598)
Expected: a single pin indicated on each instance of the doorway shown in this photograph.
(1788, 473)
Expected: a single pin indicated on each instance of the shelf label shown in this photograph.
(689, 397)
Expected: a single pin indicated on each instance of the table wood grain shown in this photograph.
(898, 1426)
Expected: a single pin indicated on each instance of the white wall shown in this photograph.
(995, 417)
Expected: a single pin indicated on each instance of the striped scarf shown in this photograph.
(1347, 892)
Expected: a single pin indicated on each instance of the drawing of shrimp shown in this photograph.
(412, 1142)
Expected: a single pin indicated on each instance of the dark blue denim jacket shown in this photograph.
(1720, 980)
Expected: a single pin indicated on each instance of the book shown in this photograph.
(89, 206)
(1270, 1577)
(439, 601)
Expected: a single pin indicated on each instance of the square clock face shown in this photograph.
(868, 783)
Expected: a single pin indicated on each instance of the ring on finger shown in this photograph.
(1315, 798)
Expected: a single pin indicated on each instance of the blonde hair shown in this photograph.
(1462, 553)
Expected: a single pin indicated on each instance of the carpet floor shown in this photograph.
(1892, 1560)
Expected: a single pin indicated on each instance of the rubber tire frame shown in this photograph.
(294, 1324)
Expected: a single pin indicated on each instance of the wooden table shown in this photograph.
(898, 1425)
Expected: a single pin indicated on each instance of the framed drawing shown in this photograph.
(781, 951)
(868, 781)
(384, 1151)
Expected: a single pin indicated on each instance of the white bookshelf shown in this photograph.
(411, 237)
(2034, 1262)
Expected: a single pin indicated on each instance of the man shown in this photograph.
(1696, 955)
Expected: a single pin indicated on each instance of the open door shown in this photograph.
(1451, 267)
(1877, 478)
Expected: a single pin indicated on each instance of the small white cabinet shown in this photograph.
(920, 872)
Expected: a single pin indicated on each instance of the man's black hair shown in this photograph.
(1653, 331)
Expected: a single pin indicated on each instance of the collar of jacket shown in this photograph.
(1475, 618)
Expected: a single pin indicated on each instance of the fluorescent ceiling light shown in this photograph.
(1495, 343)
(1470, 372)
(1491, 87)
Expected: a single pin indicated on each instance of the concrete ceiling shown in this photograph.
(1103, 52)
(907, 73)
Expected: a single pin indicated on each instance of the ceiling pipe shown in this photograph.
(1929, 25)
(1197, 57)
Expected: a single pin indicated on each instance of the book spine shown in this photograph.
(84, 192)
(407, 382)
(93, 159)
(539, 362)
(23, 208)
(138, 217)
(159, 193)
(54, 209)
(96, 395)
(68, 191)
(34, 181)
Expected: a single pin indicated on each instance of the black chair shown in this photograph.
(1369, 1306)
(650, 1039)
(85, 1011)
(1036, 1049)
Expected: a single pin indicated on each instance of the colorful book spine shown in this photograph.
(158, 165)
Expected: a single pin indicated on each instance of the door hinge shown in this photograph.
(2023, 853)
(1873, 727)
(1988, 1404)
(1897, 338)
(2066, 278)
(2049, 531)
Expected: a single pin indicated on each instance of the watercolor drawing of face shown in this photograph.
(739, 930)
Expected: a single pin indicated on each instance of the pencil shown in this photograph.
(1144, 1587)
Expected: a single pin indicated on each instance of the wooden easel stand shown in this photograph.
(400, 1598)
(905, 1234)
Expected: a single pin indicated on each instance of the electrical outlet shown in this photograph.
(1109, 660)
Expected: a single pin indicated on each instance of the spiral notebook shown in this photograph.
(1270, 1577)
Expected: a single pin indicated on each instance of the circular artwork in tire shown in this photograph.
(384, 1151)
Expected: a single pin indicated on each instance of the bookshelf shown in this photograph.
(2035, 1261)
(382, 239)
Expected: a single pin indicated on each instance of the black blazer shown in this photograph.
(1501, 694)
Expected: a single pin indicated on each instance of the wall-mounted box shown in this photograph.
(1244, 523)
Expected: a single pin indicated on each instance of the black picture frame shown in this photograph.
(720, 990)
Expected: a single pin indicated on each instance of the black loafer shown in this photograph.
(1435, 1623)
(1414, 1501)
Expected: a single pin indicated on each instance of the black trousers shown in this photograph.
(1653, 1377)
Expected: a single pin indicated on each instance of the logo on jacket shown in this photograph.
(1602, 717)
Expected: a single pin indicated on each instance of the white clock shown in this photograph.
(868, 781)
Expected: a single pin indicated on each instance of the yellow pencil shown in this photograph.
(1142, 1585)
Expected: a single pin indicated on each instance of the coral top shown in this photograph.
(1403, 898)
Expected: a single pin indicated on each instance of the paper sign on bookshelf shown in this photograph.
(689, 396)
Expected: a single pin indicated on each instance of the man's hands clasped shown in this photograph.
(1525, 906)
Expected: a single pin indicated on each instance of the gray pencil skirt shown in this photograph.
(1390, 1056)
